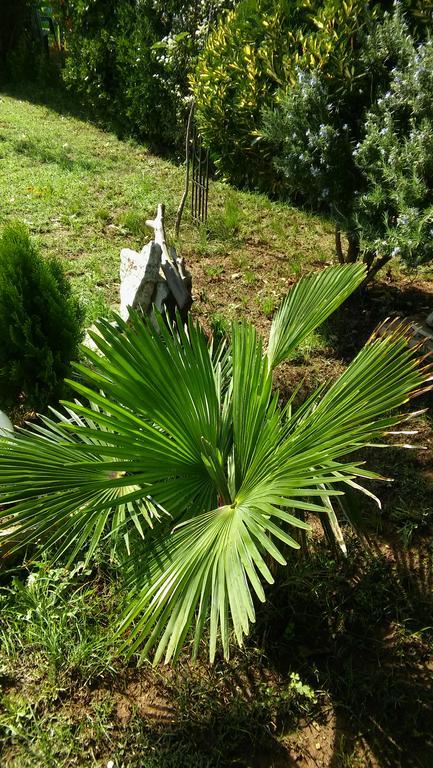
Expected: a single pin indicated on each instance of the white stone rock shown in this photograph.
(139, 275)
(5, 423)
(88, 341)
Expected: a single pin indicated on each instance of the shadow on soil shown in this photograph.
(362, 631)
(349, 328)
(357, 631)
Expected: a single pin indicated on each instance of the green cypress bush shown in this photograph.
(40, 323)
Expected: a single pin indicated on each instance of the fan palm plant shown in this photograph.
(185, 459)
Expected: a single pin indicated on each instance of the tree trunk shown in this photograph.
(353, 249)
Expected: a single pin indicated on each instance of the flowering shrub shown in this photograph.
(363, 154)
(395, 208)
(311, 141)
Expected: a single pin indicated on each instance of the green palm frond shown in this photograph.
(185, 459)
(307, 305)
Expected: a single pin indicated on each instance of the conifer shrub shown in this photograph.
(40, 323)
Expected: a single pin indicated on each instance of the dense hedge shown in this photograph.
(130, 60)
(258, 51)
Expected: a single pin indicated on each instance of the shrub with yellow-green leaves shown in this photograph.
(258, 51)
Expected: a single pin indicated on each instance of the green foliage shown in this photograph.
(364, 155)
(110, 63)
(395, 208)
(40, 323)
(48, 614)
(185, 461)
(130, 60)
(258, 49)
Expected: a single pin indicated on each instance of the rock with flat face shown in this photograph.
(5, 423)
(139, 278)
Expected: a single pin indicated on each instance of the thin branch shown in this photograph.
(374, 269)
(187, 157)
(338, 246)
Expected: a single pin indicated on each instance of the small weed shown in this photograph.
(103, 214)
(313, 344)
(220, 325)
(410, 521)
(203, 239)
(225, 225)
(347, 754)
(92, 298)
(267, 305)
(250, 278)
(214, 270)
(240, 261)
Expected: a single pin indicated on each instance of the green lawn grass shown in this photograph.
(85, 194)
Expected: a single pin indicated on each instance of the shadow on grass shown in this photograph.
(55, 96)
(52, 95)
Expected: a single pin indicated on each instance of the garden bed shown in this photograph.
(339, 670)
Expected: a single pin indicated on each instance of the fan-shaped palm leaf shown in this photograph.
(185, 455)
